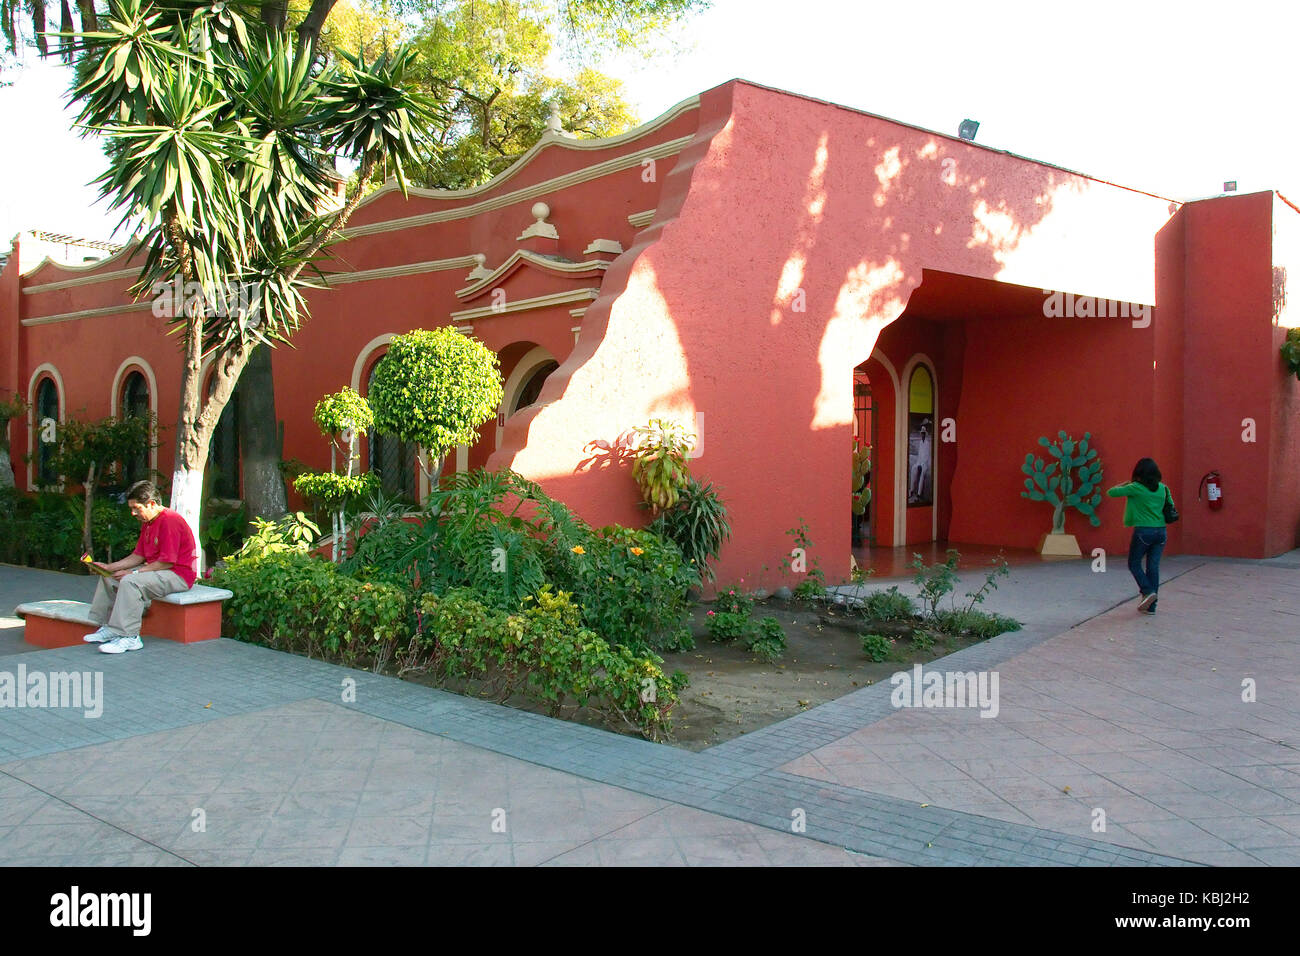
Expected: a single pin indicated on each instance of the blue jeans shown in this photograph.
(1147, 543)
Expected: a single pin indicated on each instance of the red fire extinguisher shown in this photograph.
(1213, 486)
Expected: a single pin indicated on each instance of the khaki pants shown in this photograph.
(121, 604)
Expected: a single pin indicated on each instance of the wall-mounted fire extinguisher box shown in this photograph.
(1212, 484)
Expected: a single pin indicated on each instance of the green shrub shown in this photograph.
(810, 589)
(922, 641)
(877, 647)
(888, 605)
(733, 600)
(44, 530)
(295, 533)
(499, 534)
(294, 602)
(544, 653)
(632, 587)
(935, 580)
(768, 642)
(977, 624)
(697, 524)
(725, 626)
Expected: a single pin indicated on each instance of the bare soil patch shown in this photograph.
(732, 693)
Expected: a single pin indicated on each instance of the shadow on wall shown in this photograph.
(805, 232)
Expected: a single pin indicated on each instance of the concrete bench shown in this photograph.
(186, 616)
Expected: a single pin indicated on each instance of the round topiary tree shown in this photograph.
(342, 415)
(435, 388)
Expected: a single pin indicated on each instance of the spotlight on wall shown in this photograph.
(967, 129)
(1230, 186)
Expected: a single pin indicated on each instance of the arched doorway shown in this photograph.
(533, 386)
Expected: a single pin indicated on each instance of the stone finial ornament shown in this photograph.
(541, 227)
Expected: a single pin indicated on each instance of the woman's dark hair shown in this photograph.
(1147, 473)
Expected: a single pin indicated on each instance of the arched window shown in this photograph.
(920, 438)
(135, 404)
(533, 387)
(392, 460)
(223, 452)
(47, 409)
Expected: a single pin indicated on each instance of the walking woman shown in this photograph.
(1144, 513)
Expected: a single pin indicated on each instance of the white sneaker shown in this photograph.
(102, 635)
(120, 645)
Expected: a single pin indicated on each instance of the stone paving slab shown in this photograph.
(188, 690)
(315, 783)
(1142, 717)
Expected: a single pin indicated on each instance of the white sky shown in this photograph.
(1171, 97)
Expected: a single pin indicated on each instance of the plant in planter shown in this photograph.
(1069, 482)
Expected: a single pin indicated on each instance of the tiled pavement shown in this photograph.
(1140, 717)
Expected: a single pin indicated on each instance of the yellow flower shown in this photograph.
(638, 550)
(578, 549)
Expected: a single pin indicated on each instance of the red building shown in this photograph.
(740, 264)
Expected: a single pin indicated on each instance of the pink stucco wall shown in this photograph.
(785, 201)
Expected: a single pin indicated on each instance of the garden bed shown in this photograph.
(731, 693)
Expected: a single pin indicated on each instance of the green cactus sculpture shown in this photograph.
(1065, 489)
(861, 470)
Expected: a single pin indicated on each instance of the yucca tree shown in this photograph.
(225, 138)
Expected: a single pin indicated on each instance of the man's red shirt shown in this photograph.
(168, 538)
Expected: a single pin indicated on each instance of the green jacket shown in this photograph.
(1145, 508)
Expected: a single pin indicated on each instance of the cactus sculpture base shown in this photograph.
(1059, 545)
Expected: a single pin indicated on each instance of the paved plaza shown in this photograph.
(1179, 732)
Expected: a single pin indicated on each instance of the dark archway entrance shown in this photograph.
(865, 417)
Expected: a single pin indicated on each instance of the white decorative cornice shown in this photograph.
(640, 220)
(525, 305)
(123, 253)
(537, 260)
(82, 280)
(548, 139)
(610, 247)
(88, 313)
(619, 163)
(393, 272)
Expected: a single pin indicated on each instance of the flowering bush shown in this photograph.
(544, 653)
(632, 587)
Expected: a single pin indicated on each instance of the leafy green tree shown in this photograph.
(87, 451)
(9, 408)
(340, 417)
(486, 65)
(435, 388)
(226, 138)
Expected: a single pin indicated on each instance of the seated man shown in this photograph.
(162, 563)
